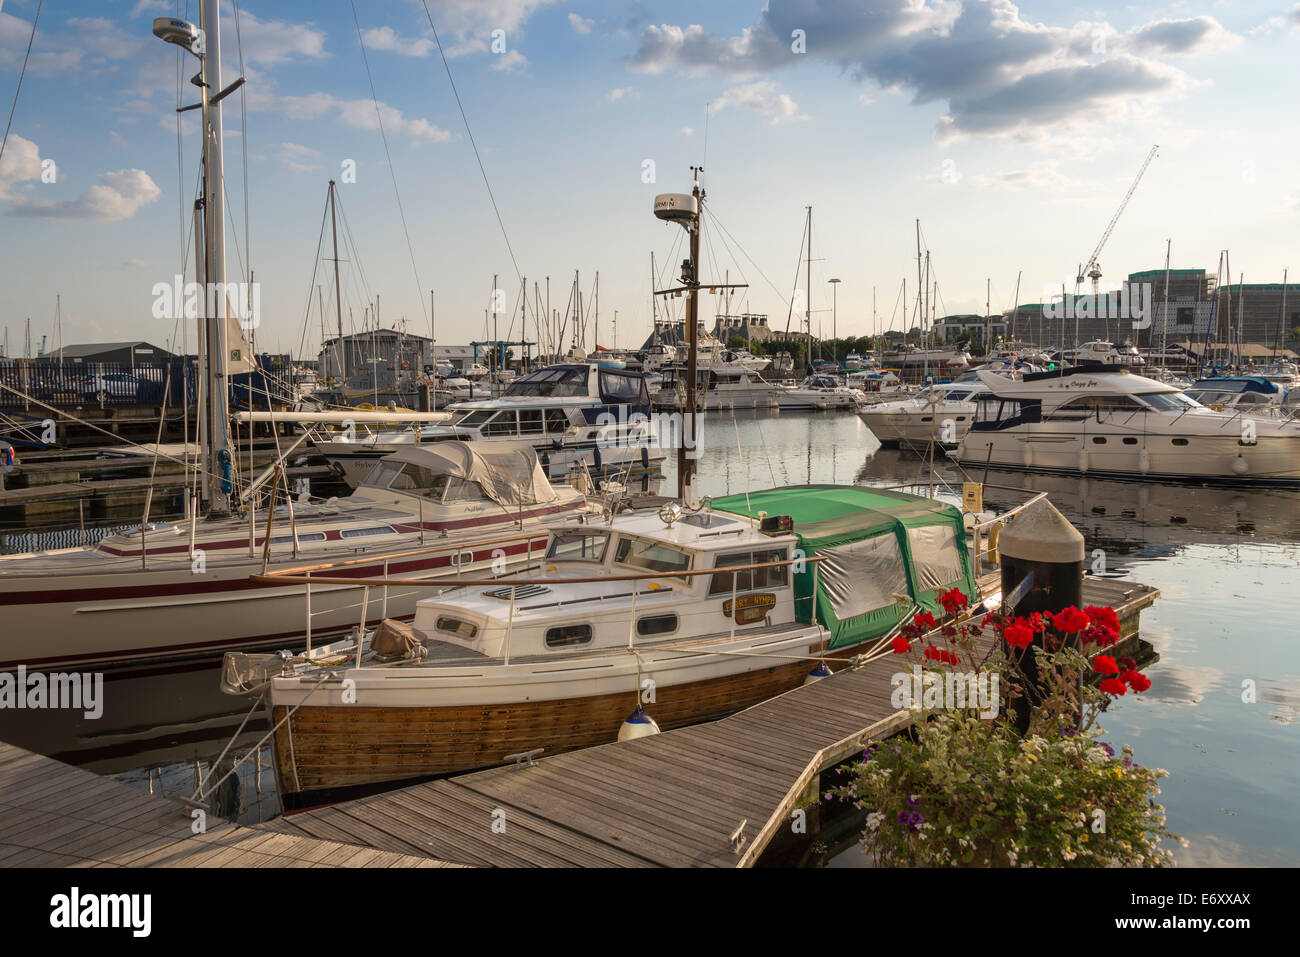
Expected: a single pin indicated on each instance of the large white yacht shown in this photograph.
(1110, 422)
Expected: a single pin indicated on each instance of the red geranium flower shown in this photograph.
(1103, 615)
(1070, 621)
(1100, 635)
(1018, 636)
(1135, 680)
(953, 600)
(1113, 686)
(1105, 665)
(901, 645)
(925, 621)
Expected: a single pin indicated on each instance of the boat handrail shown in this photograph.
(999, 519)
(279, 577)
(291, 574)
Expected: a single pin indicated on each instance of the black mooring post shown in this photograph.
(1042, 570)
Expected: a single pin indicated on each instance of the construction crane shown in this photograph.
(1091, 269)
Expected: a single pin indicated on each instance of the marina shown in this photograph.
(371, 538)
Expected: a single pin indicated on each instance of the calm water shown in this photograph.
(1224, 560)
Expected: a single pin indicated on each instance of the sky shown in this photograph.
(1011, 132)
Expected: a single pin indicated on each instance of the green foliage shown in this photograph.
(966, 790)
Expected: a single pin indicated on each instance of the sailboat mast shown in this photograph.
(690, 433)
(214, 221)
(807, 306)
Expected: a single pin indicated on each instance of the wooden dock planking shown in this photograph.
(55, 815)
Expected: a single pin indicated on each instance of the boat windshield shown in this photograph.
(551, 382)
(1169, 401)
(651, 555)
(578, 546)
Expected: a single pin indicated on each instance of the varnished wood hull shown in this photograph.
(322, 749)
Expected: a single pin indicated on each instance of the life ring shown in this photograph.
(406, 364)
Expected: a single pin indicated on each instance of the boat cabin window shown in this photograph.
(503, 423)
(749, 580)
(1084, 406)
(474, 418)
(457, 627)
(578, 546)
(557, 420)
(651, 556)
(419, 481)
(621, 387)
(367, 532)
(463, 490)
(559, 381)
(530, 422)
(656, 625)
(302, 538)
(566, 635)
(383, 474)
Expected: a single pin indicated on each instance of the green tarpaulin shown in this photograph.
(880, 551)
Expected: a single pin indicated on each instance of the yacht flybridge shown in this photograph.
(168, 590)
(690, 614)
(1110, 422)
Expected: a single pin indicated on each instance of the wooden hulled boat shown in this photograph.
(688, 615)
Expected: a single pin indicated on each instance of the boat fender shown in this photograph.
(1083, 461)
(1239, 465)
(224, 458)
(1144, 461)
(595, 454)
(817, 674)
(639, 724)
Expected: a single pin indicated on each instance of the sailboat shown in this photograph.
(168, 589)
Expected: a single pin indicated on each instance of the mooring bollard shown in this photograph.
(1042, 571)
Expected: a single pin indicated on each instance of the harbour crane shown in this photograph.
(1091, 269)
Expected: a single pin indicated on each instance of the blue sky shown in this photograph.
(1011, 132)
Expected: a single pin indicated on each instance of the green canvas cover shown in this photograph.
(875, 546)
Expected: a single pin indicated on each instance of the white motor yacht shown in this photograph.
(1110, 422)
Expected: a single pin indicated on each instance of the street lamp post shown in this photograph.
(834, 315)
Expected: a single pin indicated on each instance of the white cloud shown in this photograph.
(1193, 36)
(157, 6)
(994, 72)
(463, 18)
(509, 61)
(385, 38)
(1290, 21)
(1042, 175)
(763, 98)
(687, 131)
(117, 195)
(268, 42)
(358, 113)
(21, 164)
(580, 24)
(299, 158)
(619, 93)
